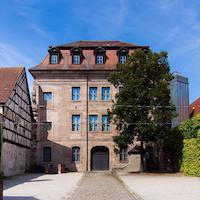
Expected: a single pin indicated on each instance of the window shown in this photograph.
(75, 153)
(93, 122)
(105, 93)
(54, 59)
(76, 93)
(105, 123)
(99, 59)
(123, 155)
(76, 121)
(76, 59)
(93, 93)
(122, 58)
(47, 126)
(47, 154)
(47, 96)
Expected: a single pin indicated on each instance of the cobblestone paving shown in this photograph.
(100, 186)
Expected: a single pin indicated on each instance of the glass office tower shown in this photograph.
(180, 98)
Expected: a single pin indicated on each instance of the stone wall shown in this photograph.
(59, 111)
(15, 159)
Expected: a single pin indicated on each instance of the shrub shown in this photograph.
(191, 157)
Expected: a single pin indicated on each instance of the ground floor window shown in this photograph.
(75, 153)
(47, 154)
(123, 156)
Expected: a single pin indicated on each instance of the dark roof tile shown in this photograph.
(8, 79)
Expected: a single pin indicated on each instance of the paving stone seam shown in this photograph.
(133, 193)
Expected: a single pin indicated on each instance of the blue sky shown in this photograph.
(28, 27)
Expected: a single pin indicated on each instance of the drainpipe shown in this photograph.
(87, 122)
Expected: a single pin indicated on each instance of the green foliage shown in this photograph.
(173, 143)
(143, 103)
(191, 127)
(191, 157)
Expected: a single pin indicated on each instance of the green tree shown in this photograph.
(191, 127)
(142, 106)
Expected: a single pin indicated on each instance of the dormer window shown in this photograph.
(76, 59)
(54, 55)
(122, 55)
(54, 59)
(122, 59)
(99, 59)
(100, 55)
(77, 56)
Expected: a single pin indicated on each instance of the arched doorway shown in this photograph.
(100, 158)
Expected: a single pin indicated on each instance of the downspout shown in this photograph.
(87, 122)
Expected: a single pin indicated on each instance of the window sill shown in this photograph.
(124, 161)
(77, 162)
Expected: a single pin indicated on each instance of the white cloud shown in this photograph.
(11, 56)
(106, 18)
(32, 17)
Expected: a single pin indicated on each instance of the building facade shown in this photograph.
(72, 96)
(180, 98)
(194, 108)
(16, 118)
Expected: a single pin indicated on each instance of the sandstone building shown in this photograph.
(71, 96)
(15, 119)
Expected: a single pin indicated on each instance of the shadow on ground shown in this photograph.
(19, 198)
(23, 179)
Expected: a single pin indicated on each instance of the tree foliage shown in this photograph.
(191, 127)
(142, 106)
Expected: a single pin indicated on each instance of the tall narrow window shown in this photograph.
(93, 123)
(123, 156)
(47, 154)
(76, 122)
(54, 59)
(99, 59)
(75, 153)
(105, 123)
(105, 93)
(75, 93)
(47, 96)
(122, 58)
(76, 59)
(93, 93)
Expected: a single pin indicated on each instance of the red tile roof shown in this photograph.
(97, 43)
(8, 79)
(194, 108)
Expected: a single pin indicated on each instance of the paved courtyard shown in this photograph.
(163, 187)
(40, 186)
(100, 186)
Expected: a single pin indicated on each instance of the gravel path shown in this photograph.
(163, 187)
(40, 186)
(100, 186)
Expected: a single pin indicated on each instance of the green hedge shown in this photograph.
(191, 157)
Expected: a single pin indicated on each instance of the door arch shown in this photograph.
(100, 158)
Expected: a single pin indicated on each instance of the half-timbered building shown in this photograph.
(15, 108)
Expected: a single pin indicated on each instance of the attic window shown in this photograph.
(122, 55)
(100, 55)
(77, 56)
(54, 55)
(54, 59)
